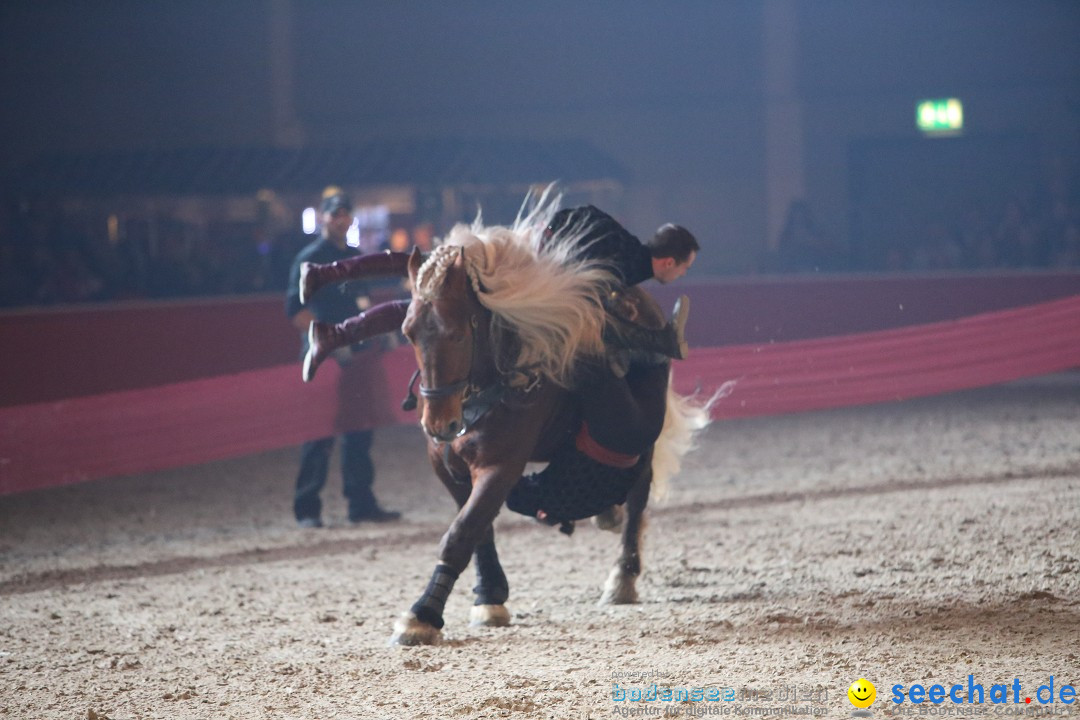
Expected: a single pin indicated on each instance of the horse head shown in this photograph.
(447, 327)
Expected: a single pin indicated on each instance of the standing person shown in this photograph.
(333, 305)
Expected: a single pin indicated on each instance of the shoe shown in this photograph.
(375, 515)
(679, 316)
(326, 339)
(322, 341)
(309, 522)
(668, 341)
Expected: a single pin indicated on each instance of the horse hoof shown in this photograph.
(620, 589)
(409, 631)
(489, 616)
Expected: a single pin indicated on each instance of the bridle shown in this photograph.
(476, 401)
(466, 384)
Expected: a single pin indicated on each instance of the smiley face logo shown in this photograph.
(862, 693)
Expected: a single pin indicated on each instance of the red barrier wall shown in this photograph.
(80, 351)
(738, 311)
(56, 443)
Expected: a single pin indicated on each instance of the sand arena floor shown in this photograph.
(911, 543)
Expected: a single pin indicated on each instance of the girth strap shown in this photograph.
(588, 446)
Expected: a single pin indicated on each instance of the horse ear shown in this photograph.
(416, 259)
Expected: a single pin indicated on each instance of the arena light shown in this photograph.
(309, 220)
(352, 235)
(940, 117)
(113, 226)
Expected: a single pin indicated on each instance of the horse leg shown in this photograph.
(410, 629)
(621, 585)
(470, 530)
(492, 588)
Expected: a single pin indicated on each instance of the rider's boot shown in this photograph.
(325, 338)
(659, 344)
(314, 276)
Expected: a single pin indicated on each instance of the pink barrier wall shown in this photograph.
(100, 391)
(80, 351)
(56, 443)
(738, 311)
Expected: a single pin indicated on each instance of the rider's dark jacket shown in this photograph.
(603, 238)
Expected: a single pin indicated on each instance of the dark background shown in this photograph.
(721, 112)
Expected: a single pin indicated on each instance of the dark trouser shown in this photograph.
(573, 486)
(357, 470)
(624, 414)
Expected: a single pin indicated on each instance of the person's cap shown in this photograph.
(336, 201)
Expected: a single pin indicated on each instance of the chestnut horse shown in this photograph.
(497, 319)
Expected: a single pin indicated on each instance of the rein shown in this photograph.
(477, 401)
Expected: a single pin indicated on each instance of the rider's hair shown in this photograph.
(673, 241)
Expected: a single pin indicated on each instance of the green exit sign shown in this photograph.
(940, 117)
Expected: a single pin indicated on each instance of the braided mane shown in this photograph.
(541, 295)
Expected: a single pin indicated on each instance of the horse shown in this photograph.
(498, 318)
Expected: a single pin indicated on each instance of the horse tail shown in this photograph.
(686, 417)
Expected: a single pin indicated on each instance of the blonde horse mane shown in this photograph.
(537, 288)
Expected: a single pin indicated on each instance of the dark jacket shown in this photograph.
(603, 238)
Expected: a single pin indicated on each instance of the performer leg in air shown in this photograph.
(666, 257)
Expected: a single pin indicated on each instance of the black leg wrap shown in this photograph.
(631, 564)
(429, 608)
(491, 585)
(572, 487)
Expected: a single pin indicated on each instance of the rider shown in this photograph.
(622, 406)
(666, 257)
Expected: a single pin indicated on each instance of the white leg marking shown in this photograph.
(620, 588)
(410, 631)
(489, 615)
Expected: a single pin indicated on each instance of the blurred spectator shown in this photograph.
(334, 304)
(1017, 238)
(16, 285)
(936, 249)
(802, 247)
(977, 240)
(1063, 234)
(47, 257)
(173, 271)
